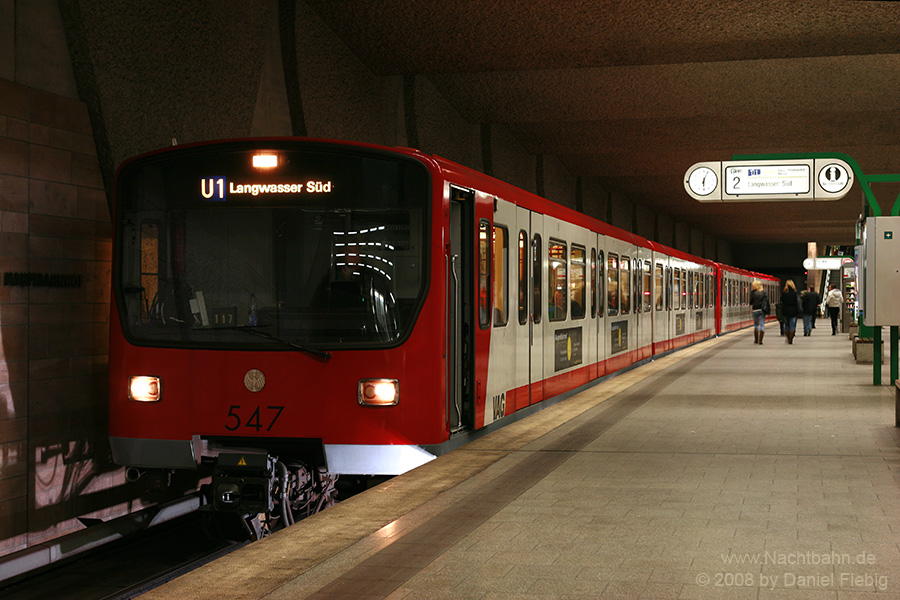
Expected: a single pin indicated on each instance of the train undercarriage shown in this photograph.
(248, 493)
(252, 495)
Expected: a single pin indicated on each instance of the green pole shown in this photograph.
(876, 355)
(894, 374)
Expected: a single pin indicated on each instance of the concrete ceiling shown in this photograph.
(633, 92)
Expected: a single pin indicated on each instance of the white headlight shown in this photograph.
(265, 161)
(144, 388)
(378, 392)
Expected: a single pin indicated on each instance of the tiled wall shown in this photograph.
(54, 220)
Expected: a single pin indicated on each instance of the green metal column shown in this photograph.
(894, 375)
(876, 355)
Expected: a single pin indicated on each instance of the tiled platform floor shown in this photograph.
(726, 470)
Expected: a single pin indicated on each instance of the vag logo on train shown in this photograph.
(214, 188)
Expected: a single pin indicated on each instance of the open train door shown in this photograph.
(460, 269)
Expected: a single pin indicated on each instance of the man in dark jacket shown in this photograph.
(810, 301)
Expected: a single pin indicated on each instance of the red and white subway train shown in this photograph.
(288, 310)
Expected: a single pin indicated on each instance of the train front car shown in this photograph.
(270, 319)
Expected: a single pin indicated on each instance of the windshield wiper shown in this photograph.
(320, 355)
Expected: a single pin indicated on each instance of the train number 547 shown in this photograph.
(252, 417)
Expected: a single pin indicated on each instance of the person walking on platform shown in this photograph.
(833, 301)
(790, 308)
(759, 305)
(810, 301)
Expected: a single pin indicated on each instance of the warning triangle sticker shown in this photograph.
(242, 462)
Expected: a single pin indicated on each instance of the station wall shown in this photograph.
(54, 304)
(83, 86)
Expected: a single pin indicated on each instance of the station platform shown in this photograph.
(723, 470)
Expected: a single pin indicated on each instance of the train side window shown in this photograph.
(695, 289)
(658, 290)
(593, 282)
(647, 286)
(636, 284)
(612, 284)
(149, 267)
(501, 275)
(576, 289)
(523, 278)
(625, 285)
(690, 290)
(668, 288)
(684, 289)
(484, 274)
(556, 281)
(676, 288)
(537, 284)
(698, 290)
(600, 279)
(701, 286)
(704, 299)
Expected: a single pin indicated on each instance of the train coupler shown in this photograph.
(243, 483)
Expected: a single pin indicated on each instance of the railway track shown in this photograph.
(126, 568)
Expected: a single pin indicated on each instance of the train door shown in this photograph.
(660, 315)
(538, 274)
(621, 328)
(603, 344)
(643, 304)
(502, 388)
(597, 305)
(522, 301)
(460, 311)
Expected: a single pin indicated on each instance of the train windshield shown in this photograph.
(320, 248)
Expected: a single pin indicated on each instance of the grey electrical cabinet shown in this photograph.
(880, 292)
